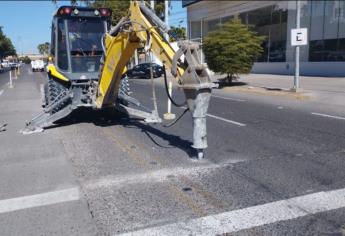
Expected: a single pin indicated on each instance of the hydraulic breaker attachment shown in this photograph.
(197, 86)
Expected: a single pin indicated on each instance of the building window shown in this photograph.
(270, 22)
(226, 19)
(209, 26)
(278, 34)
(195, 32)
(341, 32)
(260, 20)
(326, 32)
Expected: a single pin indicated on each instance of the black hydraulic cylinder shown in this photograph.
(155, 19)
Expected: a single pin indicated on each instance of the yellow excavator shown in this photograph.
(89, 59)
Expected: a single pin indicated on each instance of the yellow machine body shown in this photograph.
(120, 48)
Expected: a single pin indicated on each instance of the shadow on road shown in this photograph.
(223, 82)
(110, 117)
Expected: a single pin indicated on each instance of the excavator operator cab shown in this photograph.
(77, 40)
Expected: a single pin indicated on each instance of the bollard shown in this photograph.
(15, 73)
(169, 115)
(11, 84)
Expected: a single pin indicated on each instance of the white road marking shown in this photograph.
(37, 200)
(223, 119)
(250, 217)
(226, 120)
(229, 98)
(1, 92)
(148, 177)
(329, 116)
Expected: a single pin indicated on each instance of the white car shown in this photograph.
(37, 65)
(5, 64)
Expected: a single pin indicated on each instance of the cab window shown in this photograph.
(62, 58)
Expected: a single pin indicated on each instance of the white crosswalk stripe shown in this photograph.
(37, 200)
(250, 217)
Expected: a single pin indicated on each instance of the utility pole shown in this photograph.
(10, 83)
(166, 17)
(297, 57)
(168, 115)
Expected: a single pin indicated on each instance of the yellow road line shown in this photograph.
(207, 195)
(177, 192)
(195, 207)
(126, 149)
(211, 198)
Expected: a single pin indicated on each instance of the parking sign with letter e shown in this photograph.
(299, 37)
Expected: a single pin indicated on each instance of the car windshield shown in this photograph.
(84, 36)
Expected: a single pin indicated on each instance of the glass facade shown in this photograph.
(327, 37)
(325, 20)
(270, 22)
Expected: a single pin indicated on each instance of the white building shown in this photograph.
(323, 56)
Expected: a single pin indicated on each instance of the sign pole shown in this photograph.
(297, 57)
(11, 84)
(168, 115)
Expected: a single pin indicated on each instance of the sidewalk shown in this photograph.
(308, 83)
(326, 90)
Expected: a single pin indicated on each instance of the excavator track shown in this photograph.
(54, 90)
(124, 90)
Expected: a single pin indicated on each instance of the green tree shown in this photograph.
(178, 33)
(232, 49)
(43, 48)
(25, 59)
(6, 46)
(120, 8)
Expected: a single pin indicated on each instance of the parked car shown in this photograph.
(143, 71)
(37, 65)
(5, 64)
(14, 65)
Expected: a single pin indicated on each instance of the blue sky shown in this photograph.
(27, 23)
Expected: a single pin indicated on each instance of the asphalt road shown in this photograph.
(273, 167)
(4, 77)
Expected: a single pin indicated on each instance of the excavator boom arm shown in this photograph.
(143, 28)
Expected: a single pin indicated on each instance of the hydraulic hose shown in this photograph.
(167, 91)
(172, 101)
(175, 121)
